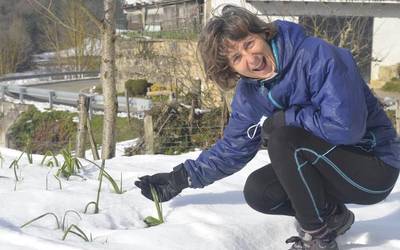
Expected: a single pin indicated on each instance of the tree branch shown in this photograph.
(50, 14)
(91, 16)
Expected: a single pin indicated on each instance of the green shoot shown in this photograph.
(47, 181)
(59, 181)
(41, 216)
(15, 162)
(50, 162)
(103, 163)
(28, 150)
(70, 166)
(79, 232)
(63, 223)
(149, 220)
(87, 206)
(104, 173)
(96, 203)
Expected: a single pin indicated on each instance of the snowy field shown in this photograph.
(213, 218)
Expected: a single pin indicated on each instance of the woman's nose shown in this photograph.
(252, 60)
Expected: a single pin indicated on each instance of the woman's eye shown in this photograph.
(250, 44)
(236, 59)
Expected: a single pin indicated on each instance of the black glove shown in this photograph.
(167, 185)
(277, 120)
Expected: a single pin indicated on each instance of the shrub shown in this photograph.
(46, 131)
(393, 85)
(137, 87)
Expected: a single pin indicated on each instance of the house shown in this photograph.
(379, 20)
(164, 15)
(370, 26)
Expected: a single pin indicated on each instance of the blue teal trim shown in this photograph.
(299, 166)
(336, 168)
(367, 144)
(276, 56)
(273, 101)
(319, 156)
(339, 171)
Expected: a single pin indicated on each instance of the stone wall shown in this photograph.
(385, 74)
(9, 112)
(167, 62)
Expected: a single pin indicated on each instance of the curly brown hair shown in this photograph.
(233, 24)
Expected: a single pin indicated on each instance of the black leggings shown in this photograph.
(308, 176)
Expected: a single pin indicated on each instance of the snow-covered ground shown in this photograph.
(213, 218)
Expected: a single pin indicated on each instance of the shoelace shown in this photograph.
(255, 127)
(298, 242)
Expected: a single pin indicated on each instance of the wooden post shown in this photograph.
(127, 105)
(224, 116)
(3, 92)
(51, 99)
(91, 103)
(195, 93)
(22, 91)
(83, 108)
(398, 117)
(148, 134)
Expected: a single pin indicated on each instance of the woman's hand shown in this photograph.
(167, 185)
(277, 120)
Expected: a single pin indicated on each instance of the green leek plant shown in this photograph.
(64, 221)
(40, 217)
(103, 172)
(79, 232)
(28, 151)
(55, 176)
(63, 226)
(96, 203)
(50, 163)
(149, 220)
(70, 166)
(14, 164)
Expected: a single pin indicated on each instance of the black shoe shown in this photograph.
(341, 220)
(338, 222)
(322, 240)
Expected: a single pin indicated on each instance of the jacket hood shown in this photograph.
(289, 38)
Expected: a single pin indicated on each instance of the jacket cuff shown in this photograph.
(181, 176)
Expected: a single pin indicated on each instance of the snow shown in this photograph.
(214, 218)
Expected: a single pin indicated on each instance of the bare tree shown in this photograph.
(107, 69)
(14, 44)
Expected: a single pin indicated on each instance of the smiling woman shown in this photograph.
(329, 141)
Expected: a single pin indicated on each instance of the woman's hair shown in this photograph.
(234, 23)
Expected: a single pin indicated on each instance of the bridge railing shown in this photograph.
(50, 77)
(136, 105)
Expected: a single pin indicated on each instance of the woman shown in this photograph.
(329, 140)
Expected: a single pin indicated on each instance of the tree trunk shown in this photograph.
(108, 74)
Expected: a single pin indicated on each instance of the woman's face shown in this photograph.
(251, 57)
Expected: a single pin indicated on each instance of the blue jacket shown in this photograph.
(320, 89)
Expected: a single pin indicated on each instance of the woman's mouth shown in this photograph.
(261, 66)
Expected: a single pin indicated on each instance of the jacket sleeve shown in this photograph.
(337, 110)
(227, 156)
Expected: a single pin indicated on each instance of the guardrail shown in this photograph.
(137, 105)
(50, 77)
